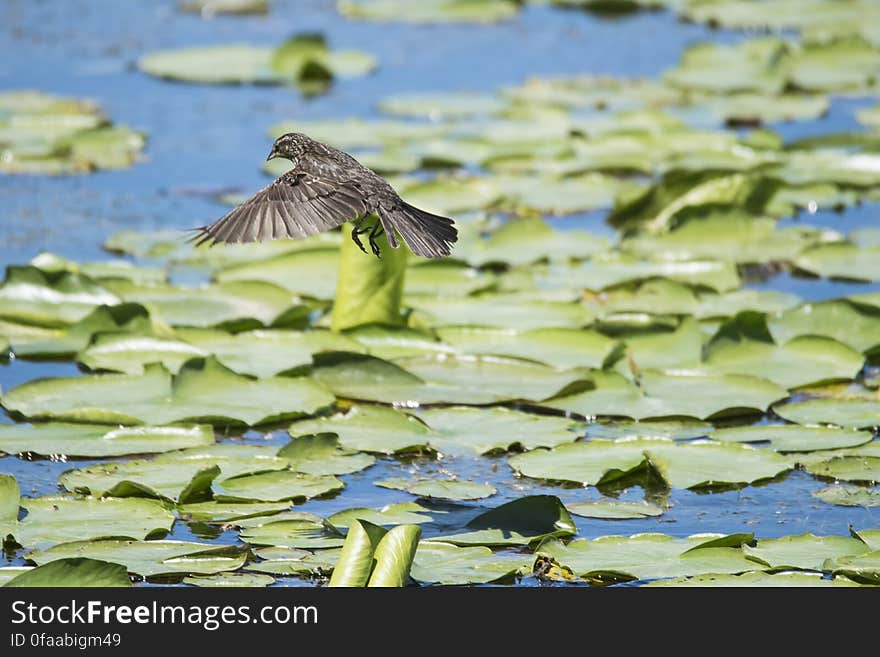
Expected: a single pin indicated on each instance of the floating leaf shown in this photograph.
(528, 520)
(203, 389)
(754, 579)
(754, 65)
(211, 7)
(794, 438)
(842, 260)
(849, 496)
(436, 106)
(498, 310)
(309, 273)
(649, 556)
(863, 568)
(696, 465)
(444, 563)
(853, 413)
(149, 558)
(848, 468)
(293, 533)
(805, 551)
(275, 486)
(445, 489)
(225, 512)
(429, 11)
(854, 325)
(614, 510)
(97, 440)
(73, 573)
(57, 519)
(321, 454)
(401, 513)
(369, 429)
(231, 580)
(301, 563)
(670, 430)
(660, 394)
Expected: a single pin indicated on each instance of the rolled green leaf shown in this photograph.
(356, 559)
(369, 289)
(73, 573)
(394, 556)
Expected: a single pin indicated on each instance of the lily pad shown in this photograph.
(614, 510)
(854, 325)
(498, 310)
(444, 563)
(73, 573)
(561, 348)
(526, 521)
(755, 579)
(794, 438)
(805, 551)
(848, 468)
(853, 413)
(434, 106)
(445, 489)
(275, 486)
(649, 556)
(369, 429)
(203, 389)
(231, 580)
(302, 533)
(849, 496)
(429, 11)
(659, 394)
(150, 558)
(309, 273)
(223, 513)
(321, 454)
(98, 441)
(390, 514)
(295, 562)
(695, 465)
(842, 260)
(57, 519)
(863, 568)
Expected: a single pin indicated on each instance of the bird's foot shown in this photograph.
(376, 232)
(357, 240)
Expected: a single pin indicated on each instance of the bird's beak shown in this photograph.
(273, 154)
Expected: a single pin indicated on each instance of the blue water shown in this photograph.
(203, 139)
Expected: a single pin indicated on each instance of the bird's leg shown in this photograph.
(376, 232)
(357, 230)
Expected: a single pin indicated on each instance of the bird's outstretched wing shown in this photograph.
(296, 205)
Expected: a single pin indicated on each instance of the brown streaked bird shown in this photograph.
(325, 188)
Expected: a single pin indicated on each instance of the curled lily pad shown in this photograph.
(73, 573)
(149, 558)
(446, 489)
(697, 465)
(444, 563)
(99, 440)
(528, 520)
(203, 389)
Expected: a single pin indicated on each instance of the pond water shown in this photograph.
(204, 139)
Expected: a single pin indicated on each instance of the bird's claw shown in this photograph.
(357, 240)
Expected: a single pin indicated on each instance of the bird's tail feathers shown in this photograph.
(426, 234)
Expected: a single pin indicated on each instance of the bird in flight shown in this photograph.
(325, 188)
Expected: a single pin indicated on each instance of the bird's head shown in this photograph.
(289, 146)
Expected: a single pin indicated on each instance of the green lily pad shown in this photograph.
(681, 348)
(649, 556)
(295, 562)
(695, 465)
(849, 496)
(369, 429)
(150, 558)
(57, 519)
(131, 353)
(854, 325)
(390, 342)
(97, 440)
(852, 413)
(450, 195)
(863, 568)
(73, 573)
(843, 260)
(170, 475)
(434, 106)
(561, 348)
(401, 513)
(31, 296)
(838, 66)
(498, 310)
(659, 394)
(321, 454)
(848, 468)
(444, 489)
(429, 11)
(246, 304)
(211, 7)
(223, 512)
(203, 389)
(793, 437)
(275, 486)
(429, 380)
(356, 133)
(526, 521)
(231, 580)
(615, 510)
(309, 273)
(551, 195)
(799, 362)
(444, 563)
(301, 533)
(805, 551)
(669, 430)
(755, 579)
